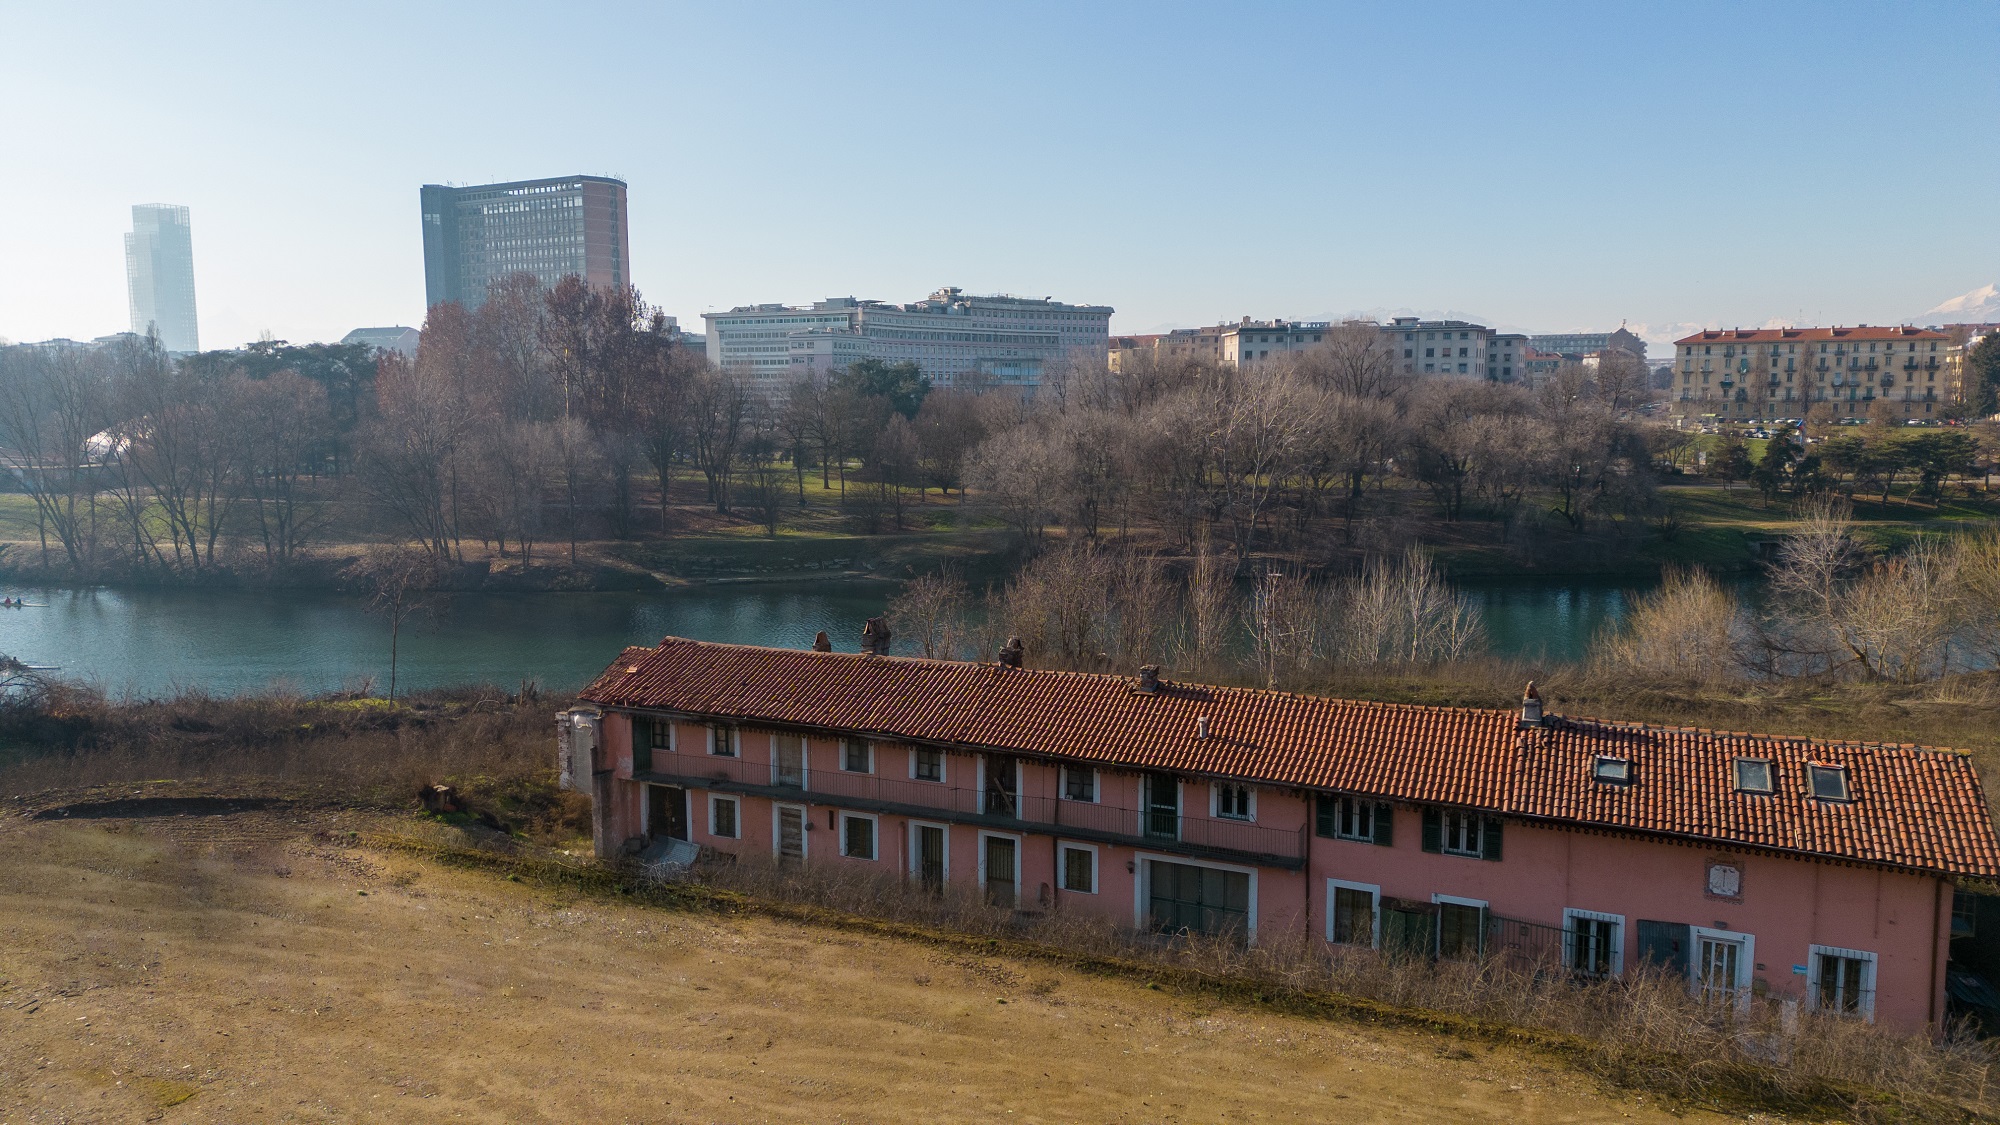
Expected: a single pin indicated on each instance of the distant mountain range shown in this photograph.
(1981, 306)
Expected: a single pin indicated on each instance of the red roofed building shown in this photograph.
(1775, 374)
(1807, 871)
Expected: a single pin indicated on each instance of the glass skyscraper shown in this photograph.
(551, 228)
(159, 275)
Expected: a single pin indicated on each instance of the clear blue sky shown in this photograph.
(1547, 166)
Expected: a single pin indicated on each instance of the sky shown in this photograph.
(1542, 167)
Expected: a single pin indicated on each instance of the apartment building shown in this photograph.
(1441, 347)
(949, 334)
(1779, 374)
(1784, 870)
(1250, 340)
(551, 228)
(1575, 345)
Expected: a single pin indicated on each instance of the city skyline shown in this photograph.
(1288, 175)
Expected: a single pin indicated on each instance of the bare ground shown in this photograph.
(223, 964)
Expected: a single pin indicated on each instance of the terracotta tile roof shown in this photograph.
(1912, 807)
(1863, 332)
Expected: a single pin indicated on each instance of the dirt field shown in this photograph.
(231, 966)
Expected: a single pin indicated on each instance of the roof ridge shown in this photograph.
(1808, 739)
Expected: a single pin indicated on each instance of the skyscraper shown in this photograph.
(474, 236)
(159, 275)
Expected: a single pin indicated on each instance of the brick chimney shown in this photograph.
(1149, 678)
(1531, 709)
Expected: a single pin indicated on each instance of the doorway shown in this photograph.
(791, 832)
(999, 855)
(667, 812)
(788, 760)
(1184, 898)
(927, 857)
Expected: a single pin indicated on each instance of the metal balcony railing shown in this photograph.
(951, 798)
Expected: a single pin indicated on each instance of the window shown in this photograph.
(1352, 913)
(1829, 783)
(927, 765)
(1079, 868)
(1843, 981)
(857, 836)
(722, 741)
(1351, 818)
(1753, 775)
(1594, 943)
(722, 820)
(662, 734)
(1079, 784)
(1612, 771)
(1461, 926)
(1964, 914)
(1234, 801)
(1458, 832)
(857, 755)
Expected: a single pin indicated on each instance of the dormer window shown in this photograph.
(1829, 783)
(1753, 775)
(1612, 771)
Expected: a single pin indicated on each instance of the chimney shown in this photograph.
(1201, 728)
(1010, 653)
(1531, 709)
(875, 637)
(822, 642)
(1149, 678)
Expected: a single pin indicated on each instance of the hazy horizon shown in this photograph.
(1557, 168)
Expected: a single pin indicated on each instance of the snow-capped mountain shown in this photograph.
(1981, 306)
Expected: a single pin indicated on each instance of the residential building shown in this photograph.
(1123, 351)
(159, 275)
(395, 338)
(1789, 869)
(1249, 340)
(1507, 357)
(1779, 374)
(473, 236)
(1439, 347)
(1575, 345)
(950, 334)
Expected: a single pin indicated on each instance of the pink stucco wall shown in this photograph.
(1785, 904)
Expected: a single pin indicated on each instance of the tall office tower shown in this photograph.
(159, 275)
(473, 236)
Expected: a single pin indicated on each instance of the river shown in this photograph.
(153, 642)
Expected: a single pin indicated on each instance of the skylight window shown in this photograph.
(1613, 771)
(1753, 775)
(1829, 783)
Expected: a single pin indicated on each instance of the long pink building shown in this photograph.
(1810, 871)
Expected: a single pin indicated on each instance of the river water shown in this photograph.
(157, 642)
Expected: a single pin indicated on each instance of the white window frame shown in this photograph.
(1215, 801)
(916, 854)
(1746, 961)
(1571, 914)
(1437, 925)
(1370, 807)
(715, 799)
(735, 740)
(1020, 845)
(1142, 886)
(1813, 953)
(1374, 892)
(778, 829)
(1478, 836)
(1096, 785)
(673, 734)
(867, 754)
(1062, 867)
(874, 835)
(944, 766)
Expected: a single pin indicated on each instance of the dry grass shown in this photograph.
(150, 972)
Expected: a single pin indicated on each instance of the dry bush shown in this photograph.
(1684, 630)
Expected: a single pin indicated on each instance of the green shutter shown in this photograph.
(1385, 824)
(1323, 809)
(1433, 830)
(642, 744)
(1489, 845)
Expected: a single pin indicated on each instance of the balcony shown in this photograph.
(1086, 821)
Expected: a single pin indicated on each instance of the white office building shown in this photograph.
(159, 275)
(948, 334)
(1444, 347)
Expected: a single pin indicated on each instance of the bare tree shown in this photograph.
(577, 464)
(718, 406)
(1400, 611)
(399, 584)
(1683, 630)
(930, 613)
(52, 403)
(283, 430)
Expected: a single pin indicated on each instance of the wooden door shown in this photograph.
(791, 760)
(667, 811)
(791, 832)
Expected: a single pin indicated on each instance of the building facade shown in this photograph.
(1785, 870)
(394, 338)
(474, 236)
(950, 335)
(1575, 345)
(1252, 340)
(1781, 374)
(1440, 347)
(159, 275)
